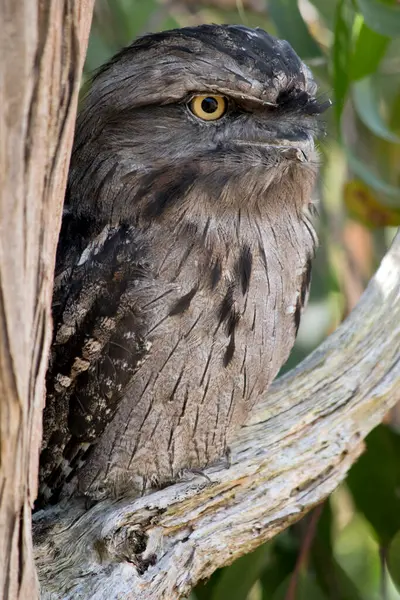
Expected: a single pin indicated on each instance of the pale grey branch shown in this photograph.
(299, 445)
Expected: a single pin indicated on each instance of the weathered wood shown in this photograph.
(42, 47)
(299, 445)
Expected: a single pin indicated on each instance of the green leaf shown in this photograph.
(395, 113)
(169, 23)
(382, 18)
(236, 581)
(341, 57)
(326, 11)
(132, 18)
(374, 482)
(98, 52)
(393, 562)
(290, 26)
(366, 103)
(369, 49)
(357, 552)
(329, 574)
(284, 551)
(306, 589)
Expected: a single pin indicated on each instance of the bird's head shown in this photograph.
(210, 117)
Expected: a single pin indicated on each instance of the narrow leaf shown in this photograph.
(341, 57)
(394, 560)
(369, 49)
(382, 18)
(366, 103)
(291, 26)
(374, 483)
(326, 11)
(237, 580)
(363, 171)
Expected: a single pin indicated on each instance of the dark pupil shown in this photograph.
(209, 105)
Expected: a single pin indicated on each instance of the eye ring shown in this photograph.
(208, 107)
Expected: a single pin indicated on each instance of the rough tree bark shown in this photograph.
(302, 438)
(42, 47)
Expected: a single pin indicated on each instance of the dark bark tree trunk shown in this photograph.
(42, 47)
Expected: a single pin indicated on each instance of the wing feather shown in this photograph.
(98, 344)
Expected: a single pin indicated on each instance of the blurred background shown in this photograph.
(348, 548)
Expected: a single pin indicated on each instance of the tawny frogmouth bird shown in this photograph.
(184, 256)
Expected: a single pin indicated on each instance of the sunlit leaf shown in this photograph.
(394, 560)
(290, 26)
(357, 553)
(368, 51)
(374, 481)
(341, 57)
(326, 10)
(381, 17)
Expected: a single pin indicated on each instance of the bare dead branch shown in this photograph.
(298, 447)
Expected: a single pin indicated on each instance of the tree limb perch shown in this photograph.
(302, 439)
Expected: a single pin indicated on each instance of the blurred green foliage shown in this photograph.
(349, 548)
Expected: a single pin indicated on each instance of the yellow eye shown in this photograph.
(208, 108)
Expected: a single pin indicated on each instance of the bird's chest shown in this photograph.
(218, 328)
(227, 320)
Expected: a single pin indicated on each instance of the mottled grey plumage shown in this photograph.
(184, 257)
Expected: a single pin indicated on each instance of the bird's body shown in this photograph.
(184, 257)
